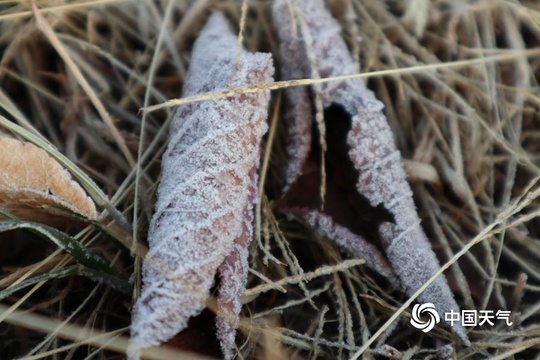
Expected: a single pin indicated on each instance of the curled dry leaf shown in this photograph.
(368, 196)
(33, 184)
(204, 210)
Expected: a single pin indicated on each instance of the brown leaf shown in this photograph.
(204, 209)
(33, 184)
(363, 165)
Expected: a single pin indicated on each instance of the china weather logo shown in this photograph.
(425, 317)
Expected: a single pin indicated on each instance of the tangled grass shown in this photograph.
(459, 80)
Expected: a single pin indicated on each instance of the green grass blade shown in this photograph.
(113, 281)
(65, 242)
(58, 274)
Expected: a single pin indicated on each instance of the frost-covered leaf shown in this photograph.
(355, 243)
(202, 222)
(365, 168)
(33, 184)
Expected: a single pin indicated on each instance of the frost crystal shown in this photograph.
(352, 242)
(202, 222)
(299, 114)
(381, 178)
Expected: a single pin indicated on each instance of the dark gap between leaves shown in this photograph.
(343, 203)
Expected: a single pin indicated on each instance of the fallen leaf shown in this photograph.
(204, 210)
(367, 192)
(33, 184)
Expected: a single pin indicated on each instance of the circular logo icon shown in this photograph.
(421, 310)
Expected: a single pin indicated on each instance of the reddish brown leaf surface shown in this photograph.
(202, 223)
(368, 197)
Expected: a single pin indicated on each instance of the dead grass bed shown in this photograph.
(459, 80)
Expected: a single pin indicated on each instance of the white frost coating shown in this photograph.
(299, 112)
(372, 150)
(204, 206)
(359, 246)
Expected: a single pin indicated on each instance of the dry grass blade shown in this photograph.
(89, 336)
(62, 51)
(327, 270)
(505, 56)
(82, 4)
